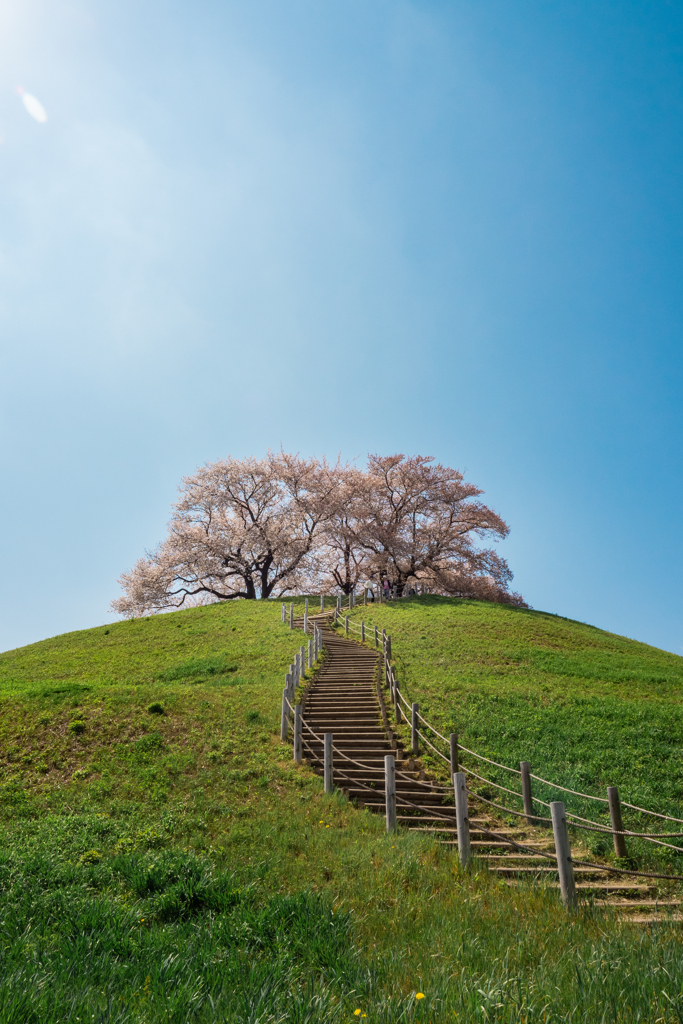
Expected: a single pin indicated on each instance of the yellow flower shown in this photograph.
(142, 920)
(356, 1013)
(320, 823)
(327, 826)
(419, 995)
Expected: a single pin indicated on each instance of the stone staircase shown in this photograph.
(345, 698)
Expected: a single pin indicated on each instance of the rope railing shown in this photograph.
(574, 819)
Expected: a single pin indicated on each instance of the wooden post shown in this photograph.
(453, 742)
(526, 792)
(376, 637)
(338, 602)
(617, 824)
(462, 819)
(283, 613)
(346, 625)
(295, 673)
(415, 729)
(565, 868)
(306, 617)
(289, 689)
(302, 660)
(390, 791)
(284, 721)
(291, 616)
(297, 733)
(362, 631)
(322, 602)
(365, 595)
(397, 702)
(310, 654)
(328, 768)
(389, 648)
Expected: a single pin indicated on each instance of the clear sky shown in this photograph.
(440, 227)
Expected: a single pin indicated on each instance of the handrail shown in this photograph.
(650, 837)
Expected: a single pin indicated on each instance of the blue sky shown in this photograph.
(446, 228)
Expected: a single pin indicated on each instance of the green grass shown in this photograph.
(169, 862)
(587, 709)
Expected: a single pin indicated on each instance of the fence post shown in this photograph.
(389, 648)
(302, 660)
(306, 617)
(346, 625)
(563, 852)
(462, 820)
(291, 616)
(322, 602)
(376, 637)
(297, 733)
(295, 673)
(282, 612)
(328, 768)
(284, 721)
(310, 654)
(415, 729)
(362, 631)
(397, 702)
(338, 602)
(617, 824)
(390, 791)
(453, 743)
(526, 792)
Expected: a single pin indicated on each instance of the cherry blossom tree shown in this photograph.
(420, 522)
(241, 529)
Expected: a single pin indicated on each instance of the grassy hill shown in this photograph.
(162, 858)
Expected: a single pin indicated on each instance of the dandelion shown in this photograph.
(356, 1013)
(419, 995)
(327, 826)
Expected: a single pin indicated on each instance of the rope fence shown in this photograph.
(404, 709)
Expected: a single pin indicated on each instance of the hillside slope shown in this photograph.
(163, 860)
